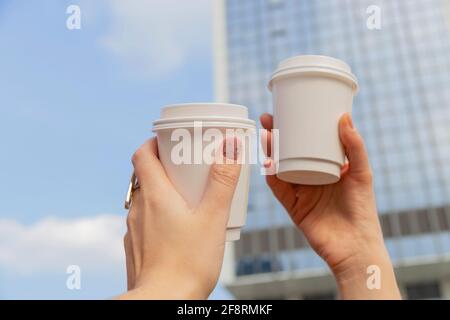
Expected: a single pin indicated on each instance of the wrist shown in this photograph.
(368, 275)
(170, 285)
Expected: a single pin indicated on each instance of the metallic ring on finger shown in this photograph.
(133, 186)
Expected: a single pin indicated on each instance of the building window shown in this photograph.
(254, 265)
(428, 290)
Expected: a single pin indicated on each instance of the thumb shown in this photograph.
(223, 177)
(354, 148)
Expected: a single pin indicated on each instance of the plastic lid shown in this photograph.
(211, 114)
(315, 64)
(204, 109)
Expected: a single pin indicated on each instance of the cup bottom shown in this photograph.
(309, 171)
(233, 234)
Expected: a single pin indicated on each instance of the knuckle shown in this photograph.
(135, 159)
(365, 177)
(157, 204)
(225, 175)
(131, 219)
(152, 203)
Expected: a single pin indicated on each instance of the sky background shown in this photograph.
(74, 105)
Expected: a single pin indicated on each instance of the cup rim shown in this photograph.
(319, 56)
(172, 120)
(204, 104)
(336, 71)
(207, 122)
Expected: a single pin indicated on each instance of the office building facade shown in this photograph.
(400, 52)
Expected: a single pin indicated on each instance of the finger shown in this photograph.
(147, 167)
(354, 147)
(223, 178)
(132, 242)
(266, 120)
(266, 142)
(283, 191)
(131, 239)
(129, 262)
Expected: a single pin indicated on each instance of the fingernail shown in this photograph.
(260, 118)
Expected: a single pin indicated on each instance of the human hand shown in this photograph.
(340, 221)
(173, 251)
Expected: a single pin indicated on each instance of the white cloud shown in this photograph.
(156, 37)
(52, 244)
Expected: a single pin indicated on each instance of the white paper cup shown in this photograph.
(190, 179)
(310, 94)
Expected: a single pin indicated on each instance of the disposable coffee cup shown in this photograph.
(189, 174)
(310, 94)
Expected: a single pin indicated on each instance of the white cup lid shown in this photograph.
(204, 109)
(315, 64)
(213, 114)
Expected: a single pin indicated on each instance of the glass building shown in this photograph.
(402, 111)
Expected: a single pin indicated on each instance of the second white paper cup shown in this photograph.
(310, 94)
(190, 179)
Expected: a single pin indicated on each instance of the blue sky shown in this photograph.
(74, 106)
